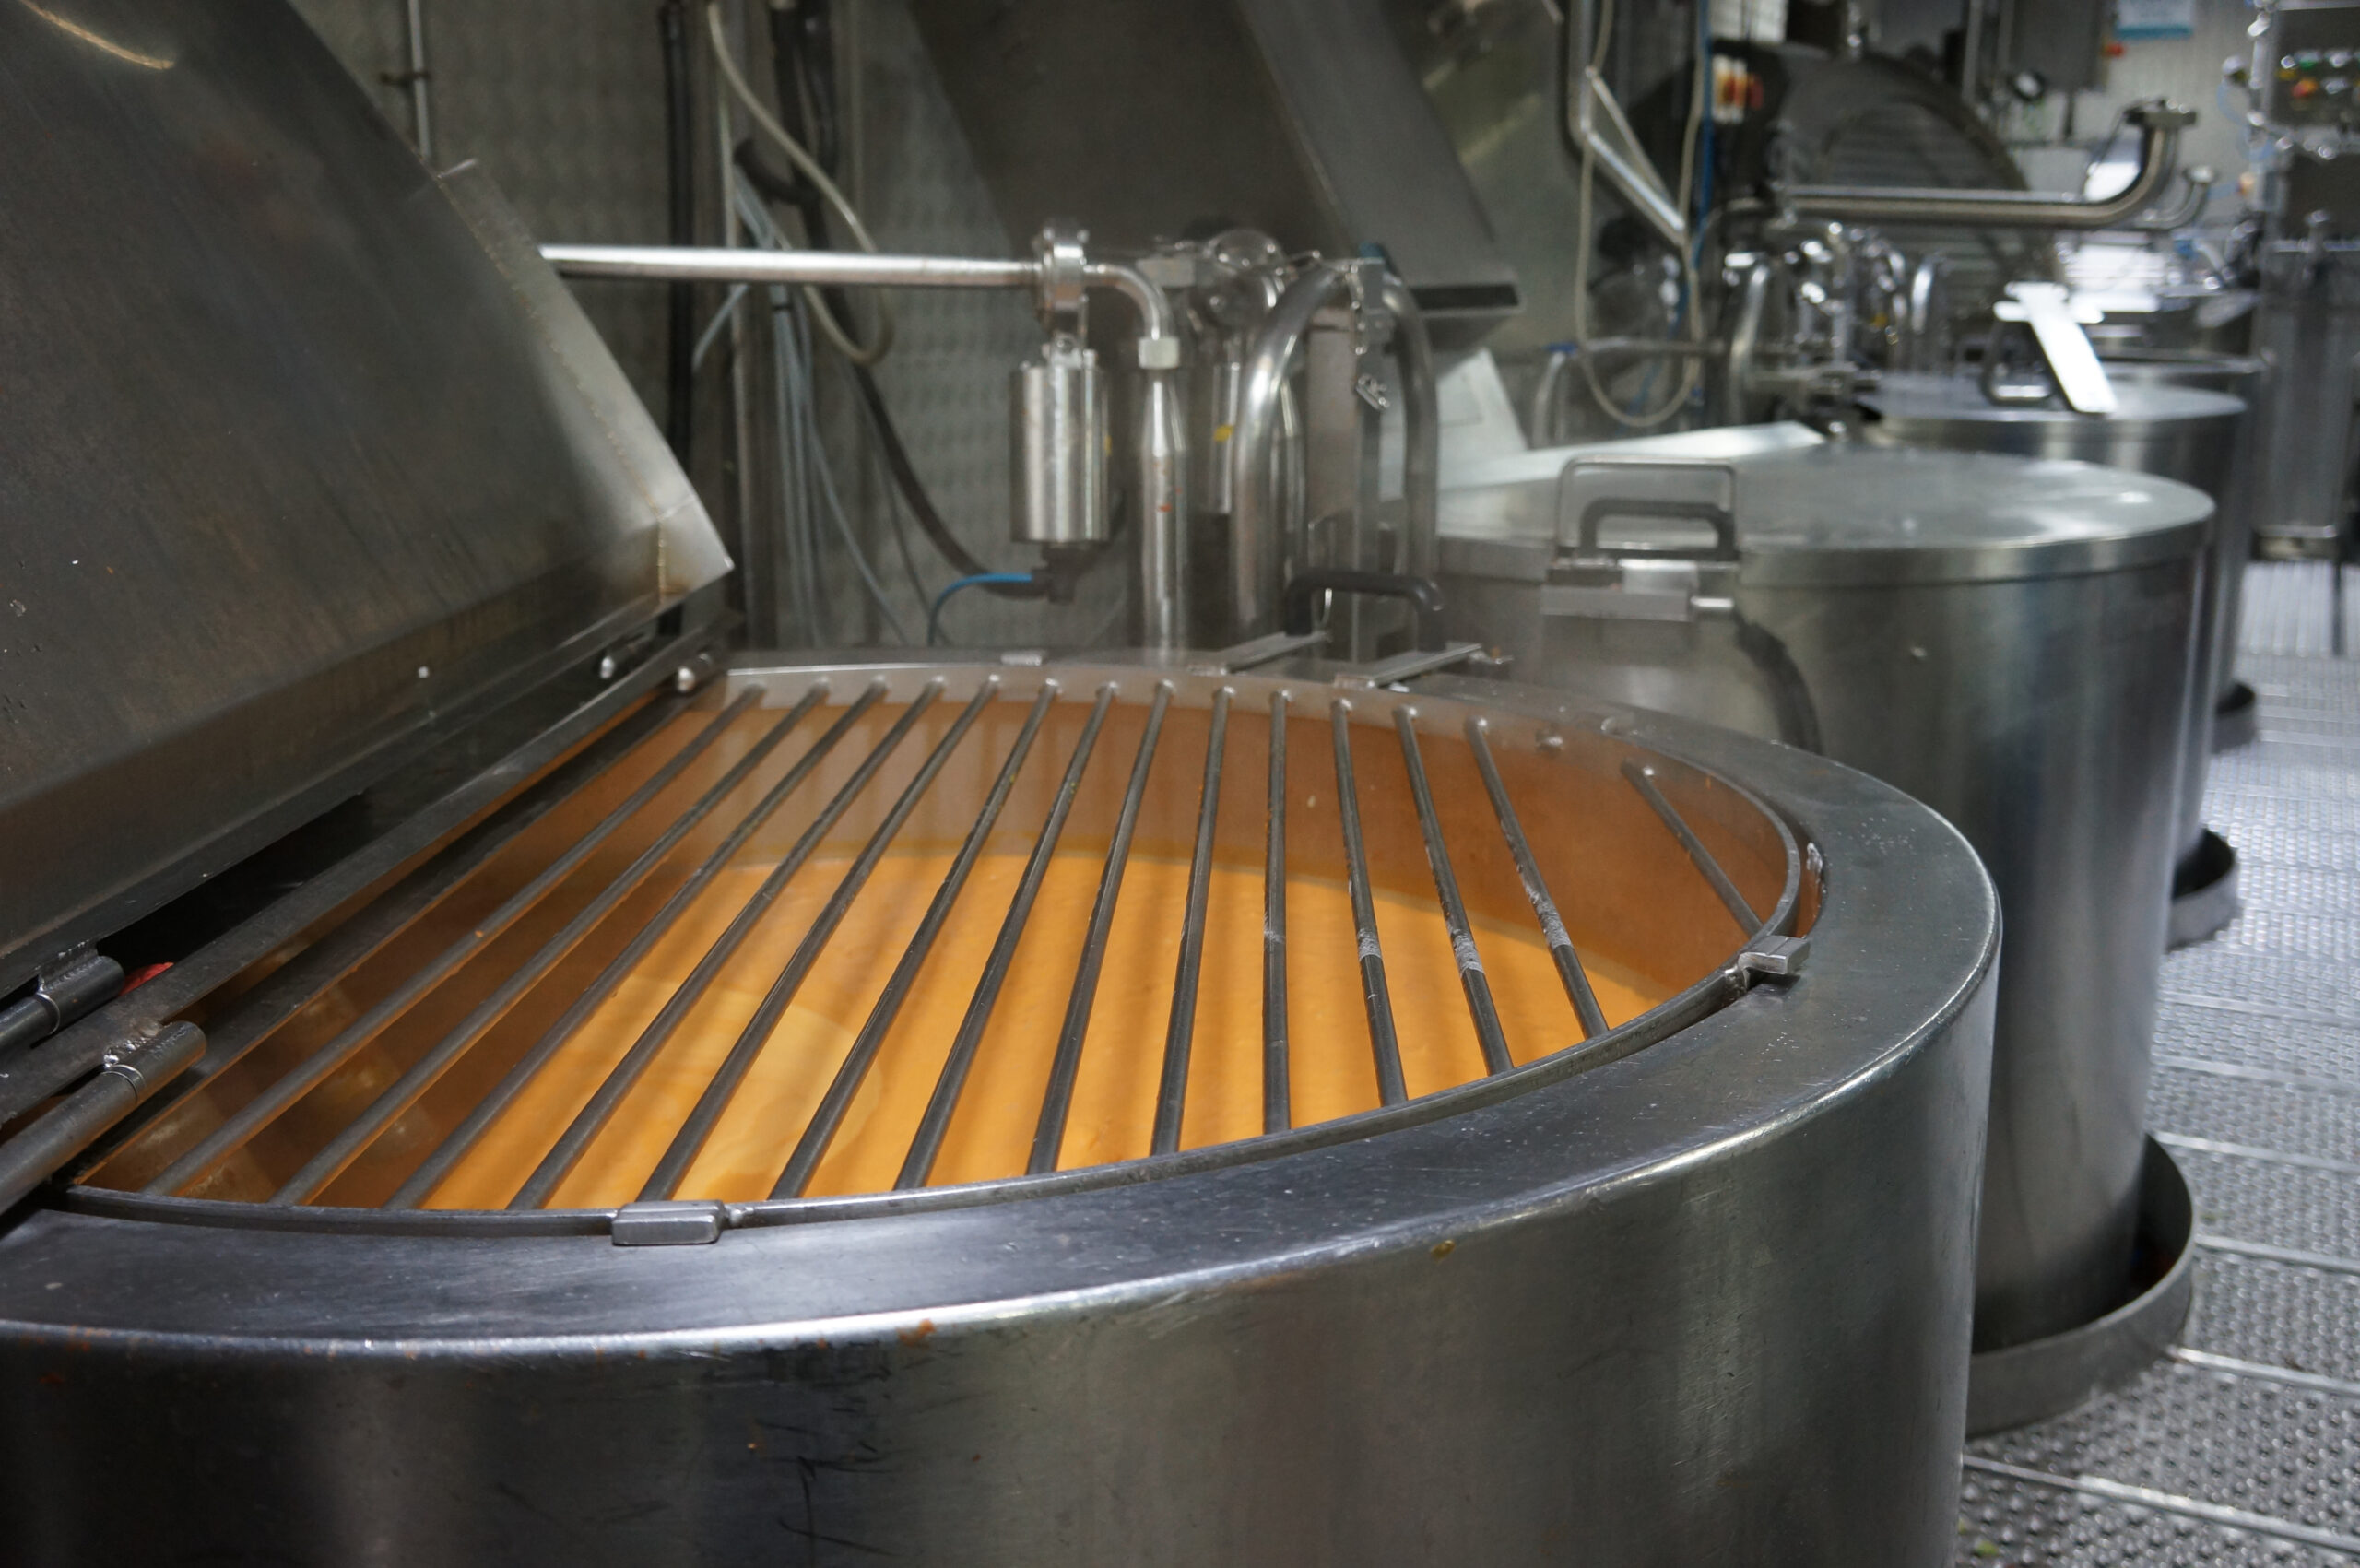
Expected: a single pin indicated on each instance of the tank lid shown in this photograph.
(1856, 514)
(1943, 398)
(1846, 513)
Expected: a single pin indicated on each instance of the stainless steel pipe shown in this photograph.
(1258, 545)
(1161, 442)
(2159, 127)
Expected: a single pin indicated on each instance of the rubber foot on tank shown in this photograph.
(2204, 892)
(2237, 722)
(2040, 1378)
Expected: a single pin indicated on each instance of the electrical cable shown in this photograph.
(806, 165)
(803, 457)
(978, 579)
(712, 333)
(898, 466)
(871, 444)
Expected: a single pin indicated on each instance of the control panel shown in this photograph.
(2306, 64)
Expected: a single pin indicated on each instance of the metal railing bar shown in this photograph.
(338, 1152)
(462, 1138)
(1472, 978)
(266, 1106)
(812, 1147)
(1049, 1135)
(1384, 1042)
(1188, 975)
(507, 789)
(1643, 778)
(926, 1146)
(1277, 1098)
(1536, 888)
(690, 1141)
(592, 1119)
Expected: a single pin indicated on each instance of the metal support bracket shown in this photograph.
(2057, 326)
(668, 1224)
(1778, 958)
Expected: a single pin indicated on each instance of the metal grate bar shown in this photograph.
(339, 1153)
(463, 1137)
(314, 972)
(1472, 978)
(1383, 1040)
(1643, 778)
(592, 1118)
(926, 1146)
(508, 789)
(1048, 1136)
(1528, 868)
(1277, 1109)
(691, 1139)
(1179, 1034)
(821, 1129)
(265, 1107)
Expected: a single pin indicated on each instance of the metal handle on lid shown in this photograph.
(1420, 594)
(1591, 489)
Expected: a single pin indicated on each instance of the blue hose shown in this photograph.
(979, 580)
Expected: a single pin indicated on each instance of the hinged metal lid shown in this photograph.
(298, 463)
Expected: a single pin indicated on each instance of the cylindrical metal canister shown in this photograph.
(2179, 433)
(2246, 378)
(2007, 639)
(1057, 448)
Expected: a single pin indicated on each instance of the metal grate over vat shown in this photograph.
(823, 941)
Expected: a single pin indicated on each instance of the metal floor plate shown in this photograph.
(2245, 1447)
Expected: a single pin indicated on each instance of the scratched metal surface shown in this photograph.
(2244, 1447)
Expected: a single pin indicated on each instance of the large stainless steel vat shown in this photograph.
(2247, 378)
(2179, 433)
(2308, 327)
(1698, 1291)
(2010, 640)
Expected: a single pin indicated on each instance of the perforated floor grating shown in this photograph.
(2244, 1446)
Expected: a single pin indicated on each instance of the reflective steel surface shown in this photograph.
(2008, 641)
(1603, 1318)
(303, 463)
(2238, 1450)
(2180, 431)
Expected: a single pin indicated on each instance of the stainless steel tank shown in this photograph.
(1693, 1288)
(2248, 378)
(2308, 327)
(2008, 640)
(2179, 433)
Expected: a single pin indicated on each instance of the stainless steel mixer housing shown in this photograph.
(1561, 1314)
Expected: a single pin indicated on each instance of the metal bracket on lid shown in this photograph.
(667, 1223)
(1403, 666)
(1775, 958)
(2056, 325)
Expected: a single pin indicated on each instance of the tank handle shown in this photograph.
(1681, 489)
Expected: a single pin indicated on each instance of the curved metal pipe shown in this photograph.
(1162, 442)
(1422, 440)
(2159, 126)
(1257, 557)
(1162, 457)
